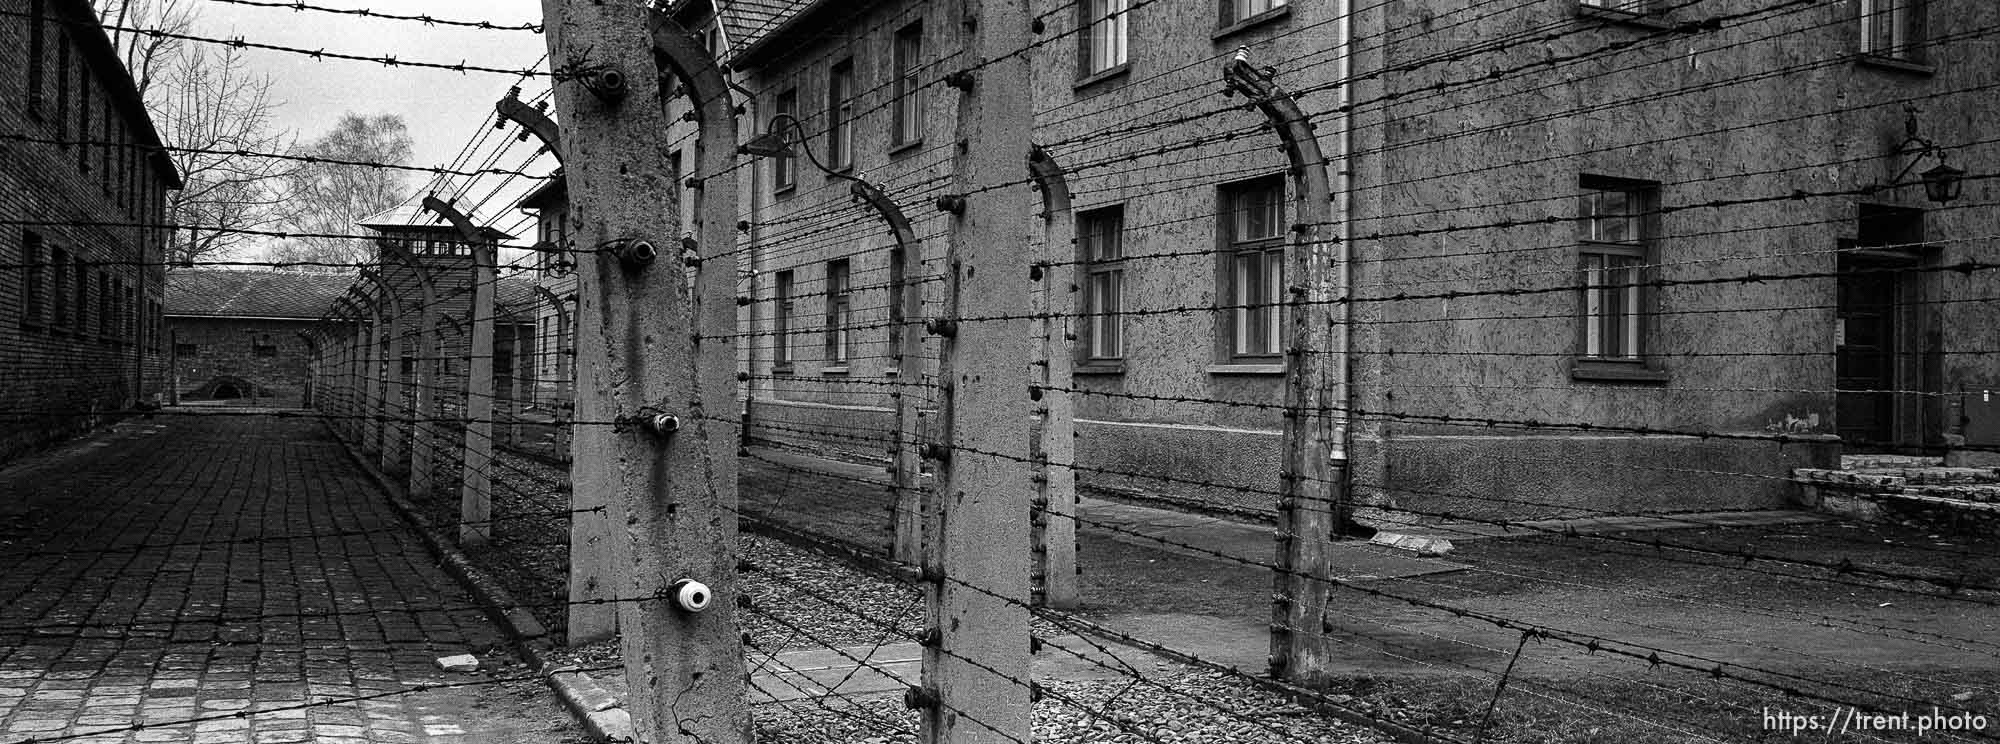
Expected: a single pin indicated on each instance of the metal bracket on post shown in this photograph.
(313, 363)
(388, 346)
(1054, 524)
(475, 486)
(533, 120)
(347, 310)
(422, 377)
(906, 345)
(1312, 505)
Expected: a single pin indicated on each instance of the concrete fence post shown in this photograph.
(978, 572)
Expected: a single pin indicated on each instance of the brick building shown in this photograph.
(554, 281)
(83, 183)
(237, 336)
(1550, 216)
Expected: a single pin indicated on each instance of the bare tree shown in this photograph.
(211, 109)
(145, 53)
(331, 197)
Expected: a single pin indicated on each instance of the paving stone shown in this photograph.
(192, 480)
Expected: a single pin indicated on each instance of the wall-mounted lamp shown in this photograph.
(1942, 183)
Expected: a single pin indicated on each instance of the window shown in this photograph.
(128, 313)
(186, 350)
(1237, 11)
(59, 291)
(839, 313)
(781, 323)
(1635, 7)
(83, 117)
(909, 111)
(33, 274)
(266, 349)
(1100, 253)
(82, 297)
(1893, 29)
(783, 177)
(1253, 268)
(1103, 38)
(839, 115)
(62, 88)
(104, 175)
(37, 43)
(1615, 233)
(106, 315)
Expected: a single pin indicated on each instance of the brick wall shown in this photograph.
(80, 299)
(211, 353)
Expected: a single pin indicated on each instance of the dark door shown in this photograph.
(1865, 360)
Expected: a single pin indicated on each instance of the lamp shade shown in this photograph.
(1943, 183)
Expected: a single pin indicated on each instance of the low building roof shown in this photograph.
(217, 293)
(746, 24)
(552, 193)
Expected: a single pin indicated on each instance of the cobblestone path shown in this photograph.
(235, 579)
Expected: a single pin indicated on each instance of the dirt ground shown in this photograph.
(1892, 647)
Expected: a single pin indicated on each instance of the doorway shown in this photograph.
(1884, 341)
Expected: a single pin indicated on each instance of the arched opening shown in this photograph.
(227, 391)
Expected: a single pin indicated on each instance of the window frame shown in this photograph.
(1906, 19)
(839, 330)
(1630, 325)
(83, 117)
(784, 288)
(105, 311)
(907, 119)
(82, 284)
(59, 292)
(62, 87)
(1098, 20)
(1236, 12)
(38, 47)
(1100, 255)
(34, 250)
(1237, 319)
(840, 93)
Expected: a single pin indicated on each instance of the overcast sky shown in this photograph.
(444, 109)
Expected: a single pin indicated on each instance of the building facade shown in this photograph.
(83, 183)
(244, 336)
(1598, 255)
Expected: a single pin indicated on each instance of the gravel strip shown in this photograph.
(1119, 713)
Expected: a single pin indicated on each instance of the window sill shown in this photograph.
(1896, 65)
(905, 148)
(1095, 78)
(840, 371)
(782, 370)
(1237, 368)
(1099, 367)
(785, 190)
(840, 172)
(1597, 370)
(1623, 17)
(1270, 16)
